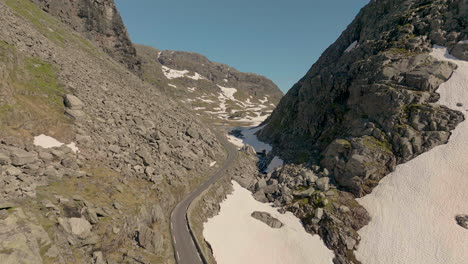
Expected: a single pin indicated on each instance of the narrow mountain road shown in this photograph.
(184, 244)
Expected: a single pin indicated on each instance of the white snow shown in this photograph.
(351, 46)
(235, 140)
(413, 209)
(228, 92)
(212, 163)
(265, 99)
(236, 237)
(50, 142)
(197, 76)
(275, 163)
(173, 74)
(172, 85)
(191, 89)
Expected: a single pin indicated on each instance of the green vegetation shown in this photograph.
(38, 18)
(373, 143)
(49, 26)
(32, 95)
(43, 80)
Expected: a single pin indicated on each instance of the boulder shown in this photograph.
(21, 240)
(149, 239)
(21, 157)
(323, 184)
(4, 159)
(462, 220)
(267, 219)
(72, 102)
(460, 50)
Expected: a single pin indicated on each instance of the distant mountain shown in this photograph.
(212, 90)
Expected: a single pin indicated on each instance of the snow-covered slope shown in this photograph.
(236, 237)
(214, 91)
(413, 209)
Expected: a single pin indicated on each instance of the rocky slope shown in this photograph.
(139, 152)
(100, 22)
(214, 91)
(368, 104)
(370, 100)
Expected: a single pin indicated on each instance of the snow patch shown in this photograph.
(50, 142)
(196, 77)
(351, 46)
(173, 74)
(228, 92)
(212, 163)
(236, 237)
(172, 85)
(413, 209)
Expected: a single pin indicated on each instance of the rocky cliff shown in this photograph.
(369, 102)
(214, 91)
(100, 22)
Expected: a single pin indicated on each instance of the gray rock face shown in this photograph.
(21, 240)
(21, 157)
(361, 111)
(267, 219)
(100, 22)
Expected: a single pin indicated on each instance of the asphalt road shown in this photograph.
(184, 245)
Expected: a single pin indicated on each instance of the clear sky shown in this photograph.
(279, 39)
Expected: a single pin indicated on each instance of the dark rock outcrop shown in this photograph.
(267, 219)
(369, 101)
(100, 22)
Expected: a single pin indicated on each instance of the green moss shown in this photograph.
(344, 142)
(43, 80)
(49, 26)
(37, 17)
(303, 201)
(373, 143)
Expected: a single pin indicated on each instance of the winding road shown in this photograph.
(184, 243)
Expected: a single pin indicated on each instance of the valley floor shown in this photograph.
(413, 209)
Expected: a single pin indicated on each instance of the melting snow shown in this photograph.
(173, 74)
(265, 99)
(236, 237)
(196, 76)
(172, 85)
(413, 209)
(228, 92)
(50, 142)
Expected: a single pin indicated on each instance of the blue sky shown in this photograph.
(274, 38)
